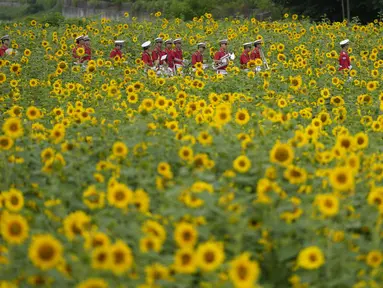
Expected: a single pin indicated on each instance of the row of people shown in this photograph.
(173, 58)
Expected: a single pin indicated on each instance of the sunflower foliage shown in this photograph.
(113, 177)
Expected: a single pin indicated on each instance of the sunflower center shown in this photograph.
(4, 142)
(101, 257)
(342, 178)
(15, 229)
(119, 257)
(187, 236)
(313, 258)
(185, 259)
(97, 242)
(223, 116)
(75, 229)
(282, 155)
(328, 203)
(13, 127)
(46, 252)
(295, 173)
(150, 245)
(209, 257)
(119, 196)
(14, 200)
(242, 116)
(346, 144)
(242, 272)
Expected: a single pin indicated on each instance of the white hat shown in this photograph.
(177, 40)
(201, 44)
(169, 41)
(344, 42)
(5, 37)
(146, 44)
(120, 42)
(247, 44)
(159, 39)
(86, 38)
(224, 41)
(259, 41)
(81, 37)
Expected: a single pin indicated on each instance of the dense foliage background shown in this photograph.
(366, 10)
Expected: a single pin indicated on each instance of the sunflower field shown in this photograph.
(113, 177)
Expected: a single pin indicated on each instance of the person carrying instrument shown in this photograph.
(256, 52)
(245, 57)
(219, 55)
(4, 45)
(79, 44)
(344, 59)
(177, 53)
(197, 56)
(170, 54)
(157, 52)
(116, 52)
(146, 58)
(88, 49)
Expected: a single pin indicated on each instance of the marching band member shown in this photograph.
(157, 52)
(177, 53)
(79, 43)
(245, 57)
(116, 52)
(88, 49)
(344, 59)
(219, 54)
(146, 58)
(256, 53)
(170, 55)
(4, 45)
(197, 57)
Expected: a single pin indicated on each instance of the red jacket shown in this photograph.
(197, 57)
(147, 59)
(2, 50)
(170, 57)
(218, 55)
(177, 54)
(88, 54)
(157, 54)
(255, 54)
(344, 61)
(244, 59)
(115, 52)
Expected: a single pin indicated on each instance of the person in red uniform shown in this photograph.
(197, 57)
(218, 56)
(344, 59)
(245, 57)
(88, 49)
(157, 52)
(116, 52)
(79, 43)
(170, 54)
(256, 53)
(177, 53)
(4, 45)
(146, 58)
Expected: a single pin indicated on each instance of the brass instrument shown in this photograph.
(223, 61)
(266, 66)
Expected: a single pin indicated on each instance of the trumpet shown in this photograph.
(266, 66)
(223, 61)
